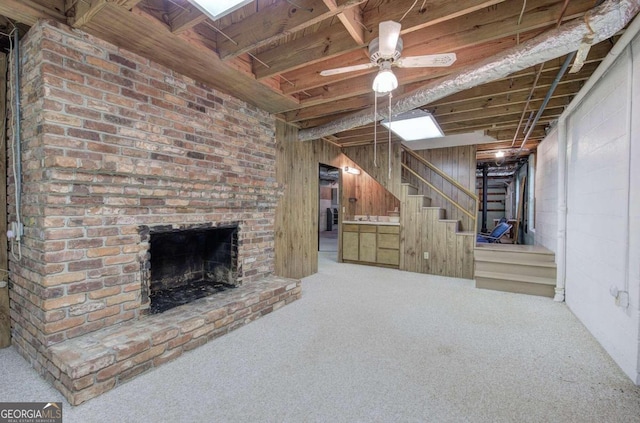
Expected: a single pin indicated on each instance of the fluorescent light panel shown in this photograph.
(216, 9)
(414, 125)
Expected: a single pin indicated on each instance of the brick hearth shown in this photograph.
(95, 363)
(112, 143)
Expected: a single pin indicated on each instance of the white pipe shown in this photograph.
(561, 250)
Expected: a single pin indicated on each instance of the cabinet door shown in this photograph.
(368, 247)
(350, 246)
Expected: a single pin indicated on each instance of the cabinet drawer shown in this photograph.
(383, 229)
(368, 228)
(390, 241)
(349, 228)
(389, 257)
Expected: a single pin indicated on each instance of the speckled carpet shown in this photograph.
(366, 344)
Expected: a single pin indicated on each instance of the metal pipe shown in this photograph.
(605, 21)
(552, 88)
(485, 196)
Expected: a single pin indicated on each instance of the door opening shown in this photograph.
(329, 208)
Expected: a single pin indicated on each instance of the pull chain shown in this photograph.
(375, 129)
(389, 130)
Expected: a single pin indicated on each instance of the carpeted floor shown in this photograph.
(366, 344)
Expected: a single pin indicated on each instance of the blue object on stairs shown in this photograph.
(498, 232)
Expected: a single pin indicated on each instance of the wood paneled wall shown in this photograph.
(379, 168)
(460, 164)
(297, 211)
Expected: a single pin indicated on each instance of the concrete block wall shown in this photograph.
(546, 193)
(113, 142)
(603, 201)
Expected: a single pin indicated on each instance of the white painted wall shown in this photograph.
(546, 192)
(603, 200)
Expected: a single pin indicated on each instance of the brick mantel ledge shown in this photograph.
(85, 367)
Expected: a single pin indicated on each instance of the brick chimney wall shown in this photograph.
(113, 142)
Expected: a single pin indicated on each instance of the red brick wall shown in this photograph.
(111, 142)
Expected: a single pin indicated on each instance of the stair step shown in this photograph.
(509, 252)
(520, 267)
(521, 284)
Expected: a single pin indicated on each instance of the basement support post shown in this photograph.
(485, 195)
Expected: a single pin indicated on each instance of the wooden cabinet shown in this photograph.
(371, 244)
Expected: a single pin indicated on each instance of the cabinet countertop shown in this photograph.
(367, 222)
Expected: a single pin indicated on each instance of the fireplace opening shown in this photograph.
(188, 264)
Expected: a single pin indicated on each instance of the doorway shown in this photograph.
(329, 206)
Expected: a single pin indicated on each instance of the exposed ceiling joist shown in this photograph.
(604, 21)
(351, 19)
(274, 22)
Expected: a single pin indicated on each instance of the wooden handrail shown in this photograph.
(451, 200)
(440, 172)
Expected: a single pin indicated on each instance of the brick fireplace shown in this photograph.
(117, 150)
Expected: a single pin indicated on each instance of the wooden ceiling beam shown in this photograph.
(186, 18)
(274, 22)
(324, 44)
(28, 12)
(495, 112)
(453, 35)
(362, 85)
(79, 13)
(434, 12)
(351, 19)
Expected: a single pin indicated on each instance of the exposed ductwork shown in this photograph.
(601, 22)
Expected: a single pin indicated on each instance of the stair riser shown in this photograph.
(517, 269)
(516, 287)
(513, 255)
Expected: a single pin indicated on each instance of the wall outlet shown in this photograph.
(426, 255)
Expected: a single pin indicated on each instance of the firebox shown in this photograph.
(187, 264)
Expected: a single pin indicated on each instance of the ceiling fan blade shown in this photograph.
(346, 69)
(430, 60)
(388, 35)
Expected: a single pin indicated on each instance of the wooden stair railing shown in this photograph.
(472, 214)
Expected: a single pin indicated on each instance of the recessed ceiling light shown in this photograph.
(414, 125)
(216, 9)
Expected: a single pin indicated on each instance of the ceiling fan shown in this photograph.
(385, 52)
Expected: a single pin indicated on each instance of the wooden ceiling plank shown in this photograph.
(451, 36)
(495, 112)
(274, 22)
(303, 51)
(362, 85)
(184, 19)
(351, 19)
(81, 12)
(28, 12)
(434, 12)
(143, 34)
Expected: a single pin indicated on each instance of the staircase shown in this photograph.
(430, 243)
(524, 269)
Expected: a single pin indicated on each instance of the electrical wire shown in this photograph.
(408, 10)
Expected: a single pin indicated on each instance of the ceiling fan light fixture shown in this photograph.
(385, 81)
(216, 9)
